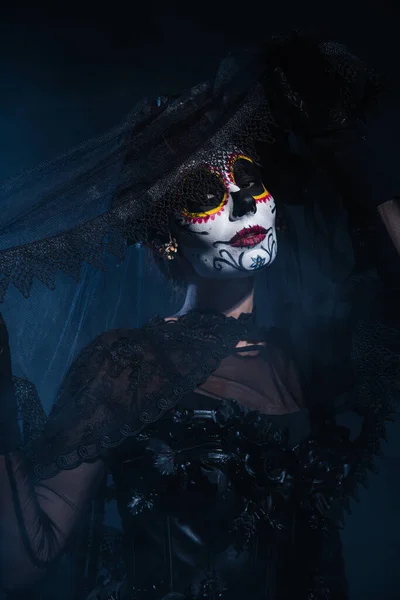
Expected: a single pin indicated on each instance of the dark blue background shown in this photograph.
(66, 77)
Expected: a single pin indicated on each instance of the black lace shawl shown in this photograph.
(127, 379)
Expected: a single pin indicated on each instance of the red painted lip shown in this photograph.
(249, 236)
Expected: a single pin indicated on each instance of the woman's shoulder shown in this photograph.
(105, 353)
(119, 345)
(123, 335)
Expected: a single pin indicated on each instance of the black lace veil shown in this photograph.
(123, 185)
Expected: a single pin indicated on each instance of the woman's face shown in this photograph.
(228, 226)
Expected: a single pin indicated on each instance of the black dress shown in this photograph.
(200, 518)
(226, 485)
(218, 499)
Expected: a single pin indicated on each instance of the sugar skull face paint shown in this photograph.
(228, 226)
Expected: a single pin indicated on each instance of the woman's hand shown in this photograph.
(10, 436)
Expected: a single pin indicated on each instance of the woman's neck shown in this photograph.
(228, 296)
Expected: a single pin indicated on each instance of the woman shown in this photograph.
(225, 481)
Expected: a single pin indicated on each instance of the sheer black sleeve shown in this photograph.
(37, 520)
(120, 383)
(38, 516)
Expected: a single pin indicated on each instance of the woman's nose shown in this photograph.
(243, 202)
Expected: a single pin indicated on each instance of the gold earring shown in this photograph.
(168, 250)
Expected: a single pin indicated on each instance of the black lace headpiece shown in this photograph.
(124, 184)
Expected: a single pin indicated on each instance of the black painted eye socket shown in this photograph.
(246, 185)
(202, 191)
(247, 176)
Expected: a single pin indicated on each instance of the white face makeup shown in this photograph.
(228, 227)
